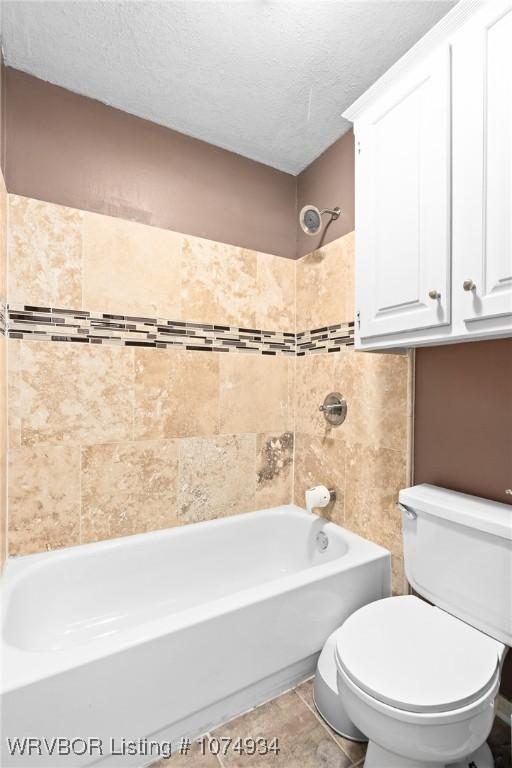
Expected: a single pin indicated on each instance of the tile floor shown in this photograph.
(305, 741)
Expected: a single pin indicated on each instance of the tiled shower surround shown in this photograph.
(3, 369)
(157, 379)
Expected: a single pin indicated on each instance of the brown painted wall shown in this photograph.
(463, 418)
(327, 182)
(68, 149)
(2, 113)
(463, 424)
(65, 148)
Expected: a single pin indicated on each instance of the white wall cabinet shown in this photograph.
(403, 204)
(434, 187)
(482, 166)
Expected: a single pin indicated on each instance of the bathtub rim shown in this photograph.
(28, 666)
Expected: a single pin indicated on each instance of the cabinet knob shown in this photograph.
(433, 294)
(469, 285)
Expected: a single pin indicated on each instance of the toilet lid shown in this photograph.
(406, 653)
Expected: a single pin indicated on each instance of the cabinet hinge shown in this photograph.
(358, 319)
(358, 147)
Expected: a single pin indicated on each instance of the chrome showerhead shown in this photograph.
(310, 218)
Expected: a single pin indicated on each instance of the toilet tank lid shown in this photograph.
(493, 517)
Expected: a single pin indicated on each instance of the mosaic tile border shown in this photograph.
(3, 319)
(328, 339)
(81, 326)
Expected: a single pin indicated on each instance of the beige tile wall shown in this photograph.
(366, 459)
(108, 441)
(325, 285)
(3, 375)
(62, 257)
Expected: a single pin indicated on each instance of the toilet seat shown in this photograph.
(414, 657)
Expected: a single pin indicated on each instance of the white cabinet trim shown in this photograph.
(439, 34)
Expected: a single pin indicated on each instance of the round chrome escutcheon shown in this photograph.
(334, 409)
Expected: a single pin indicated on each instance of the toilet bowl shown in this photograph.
(326, 694)
(420, 683)
(419, 678)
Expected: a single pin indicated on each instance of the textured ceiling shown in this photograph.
(267, 79)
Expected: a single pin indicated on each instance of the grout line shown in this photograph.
(208, 736)
(220, 379)
(220, 761)
(291, 406)
(133, 395)
(504, 709)
(80, 506)
(322, 722)
(294, 426)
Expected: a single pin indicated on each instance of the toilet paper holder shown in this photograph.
(334, 409)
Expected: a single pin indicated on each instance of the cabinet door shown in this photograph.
(482, 166)
(403, 204)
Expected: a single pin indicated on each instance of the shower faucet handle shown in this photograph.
(334, 408)
(330, 407)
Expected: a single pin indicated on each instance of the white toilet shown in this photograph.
(420, 680)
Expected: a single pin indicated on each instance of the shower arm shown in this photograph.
(333, 212)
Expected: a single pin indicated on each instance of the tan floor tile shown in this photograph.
(500, 741)
(293, 718)
(302, 740)
(353, 749)
(194, 759)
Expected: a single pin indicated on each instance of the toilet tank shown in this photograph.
(458, 555)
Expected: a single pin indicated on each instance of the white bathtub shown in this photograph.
(168, 634)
